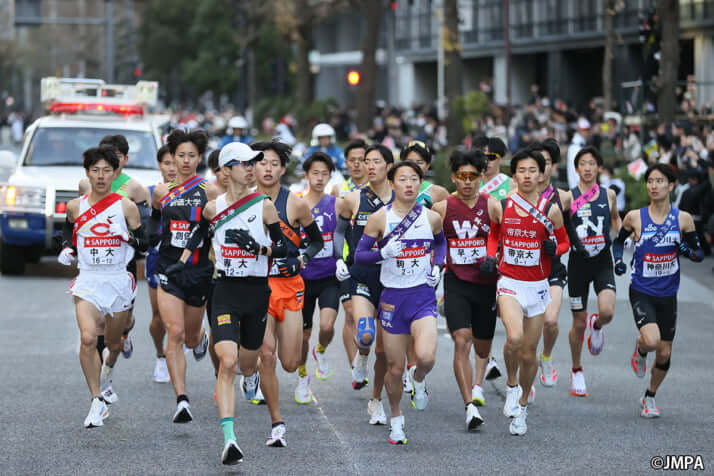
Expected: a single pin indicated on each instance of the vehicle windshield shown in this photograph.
(64, 146)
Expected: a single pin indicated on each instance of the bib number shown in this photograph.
(103, 251)
(236, 261)
(526, 255)
(410, 261)
(593, 244)
(467, 251)
(180, 231)
(659, 265)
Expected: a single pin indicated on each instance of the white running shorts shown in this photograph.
(109, 293)
(533, 296)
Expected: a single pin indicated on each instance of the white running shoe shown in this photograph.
(531, 395)
(183, 412)
(649, 408)
(277, 437)
(548, 375)
(407, 383)
(259, 399)
(250, 385)
(128, 347)
(577, 384)
(199, 352)
(477, 396)
(303, 395)
(108, 394)
(105, 383)
(473, 417)
(161, 371)
(639, 363)
(396, 434)
(323, 371)
(596, 340)
(375, 408)
(359, 371)
(232, 454)
(420, 395)
(513, 394)
(492, 369)
(98, 411)
(518, 424)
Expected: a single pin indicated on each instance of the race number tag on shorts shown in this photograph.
(237, 262)
(659, 265)
(521, 253)
(102, 250)
(409, 261)
(467, 251)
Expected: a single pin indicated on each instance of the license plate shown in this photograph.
(18, 223)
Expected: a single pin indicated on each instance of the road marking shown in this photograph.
(346, 449)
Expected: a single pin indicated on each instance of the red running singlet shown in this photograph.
(522, 256)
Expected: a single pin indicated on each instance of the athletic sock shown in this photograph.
(182, 398)
(320, 349)
(409, 366)
(227, 426)
(578, 369)
(302, 371)
(544, 358)
(649, 394)
(278, 423)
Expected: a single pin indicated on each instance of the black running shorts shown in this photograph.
(327, 290)
(365, 283)
(662, 311)
(470, 305)
(345, 290)
(582, 271)
(558, 274)
(192, 284)
(239, 311)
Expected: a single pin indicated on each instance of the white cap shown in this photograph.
(237, 152)
(322, 130)
(238, 122)
(583, 124)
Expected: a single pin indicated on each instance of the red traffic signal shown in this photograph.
(353, 78)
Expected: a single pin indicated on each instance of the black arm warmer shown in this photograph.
(198, 234)
(67, 231)
(315, 241)
(139, 239)
(618, 246)
(692, 240)
(615, 188)
(155, 227)
(279, 249)
(144, 213)
(339, 235)
(570, 229)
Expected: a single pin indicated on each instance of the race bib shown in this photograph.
(660, 265)
(521, 253)
(409, 262)
(236, 261)
(467, 251)
(103, 250)
(180, 231)
(593, 244)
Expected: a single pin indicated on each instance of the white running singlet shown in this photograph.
(97, 250)
(410, 268)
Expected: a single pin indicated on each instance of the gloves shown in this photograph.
(620, 267)
(243, 239)
(175, 268)
(288, 267)
(66, 256)
(434, 276)
(342, 273)
(115, 229)
(488, 266)
(549, 247)
(392, 249)
(578, 248)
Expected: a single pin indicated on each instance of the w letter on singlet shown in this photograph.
(465, 229)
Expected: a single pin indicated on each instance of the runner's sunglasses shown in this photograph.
(467, 176)
(492, 156)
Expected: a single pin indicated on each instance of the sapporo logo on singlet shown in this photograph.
(467, 248)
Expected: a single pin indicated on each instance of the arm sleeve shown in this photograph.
(364, 253)
(67, 232)
(144, 213)
(440, 248)
(570, 229)
(139, 239)
(315, 241)
(339, 236)
(618, 246)
(561, 236)
(493, 238)
(692, 240)
(198, 234)
(279, 249)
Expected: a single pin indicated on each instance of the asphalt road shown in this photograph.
(44, 399)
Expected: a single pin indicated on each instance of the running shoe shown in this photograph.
(232, 454)
(323, 370)
(259, 398)
(250, 385)
(105, 381)
(596, 339)
(359, 371)
(639, 363)
(513, 394)
(548, 375)
(277, 437)
(420, 395)
(492, 369)
(473, 417)
(407, 383)
(649, 408)
(183, 412)
(161, 371)
(531, 395)
(518, 424)
(199, 352)
(98, 411)
(303, 395)
(108, 394)
(577, 384)
(477, 396)
(396, 434)
(128, 347)
(376, 412)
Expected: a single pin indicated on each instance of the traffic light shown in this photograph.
(353, 78)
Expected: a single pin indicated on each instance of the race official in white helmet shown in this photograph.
(323, 140)
(237, 132)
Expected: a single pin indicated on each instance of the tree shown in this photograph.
(608, 20)
(372, 11)
(453, 68)
(668, 13)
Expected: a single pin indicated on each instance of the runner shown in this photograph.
(593, 211)
(284, 326)
(101, 229)
(354, 152)
(184, 284)
(470, 298)
(525, 225)
(661, 233)
(167, 167)
(366, 287)
(319, 275)
(408, 234)
(241, 295)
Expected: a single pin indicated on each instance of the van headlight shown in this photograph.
(14, 197)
